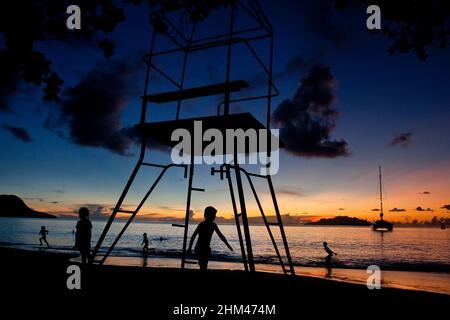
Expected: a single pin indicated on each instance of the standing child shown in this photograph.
(145, 243)
(43, 233)
(83, 235)
(328, 257)
(205, 231)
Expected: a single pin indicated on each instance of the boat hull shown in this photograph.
(382, 225)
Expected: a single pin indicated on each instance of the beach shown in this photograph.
(108, 288)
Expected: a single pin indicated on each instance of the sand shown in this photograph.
(38, 279)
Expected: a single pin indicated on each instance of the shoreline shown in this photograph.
(137, 254)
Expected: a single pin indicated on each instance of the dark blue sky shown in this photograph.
(378, 96)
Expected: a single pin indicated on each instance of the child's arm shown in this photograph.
(222, 237)
(194, 235)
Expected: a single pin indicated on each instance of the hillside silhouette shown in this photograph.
(13, 206)
(341, 221)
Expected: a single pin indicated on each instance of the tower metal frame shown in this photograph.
(186, 42)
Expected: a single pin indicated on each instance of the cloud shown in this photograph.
(446, 206)
(9, 80)
(4, 100)
(397, 210)
(34, 198)
(169, 208)
(341, 209)
(91, 110)
(18, 132)
(425, 192)
(96, 211)
(376, 209)
(290, 191)
(401, 139)
(423, 209)
(307, 119)
(294, 66)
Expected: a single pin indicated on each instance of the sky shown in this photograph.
(377, 109)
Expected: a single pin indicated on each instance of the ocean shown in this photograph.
(409, 249)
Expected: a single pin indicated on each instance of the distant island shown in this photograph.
(340, 221)
(12, 206)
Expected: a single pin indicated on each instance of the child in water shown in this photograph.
(205, 231)
(145, 243)
(330, 254)
(83, 235)
(43, 233)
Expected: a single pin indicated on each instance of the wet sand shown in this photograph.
(38, 279)
(437, 282)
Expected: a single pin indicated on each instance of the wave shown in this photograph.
(425, 266)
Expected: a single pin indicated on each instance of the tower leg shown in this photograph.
(188, 209)
(280, 223)
(236, 218)
(116, 209)
(248, 241)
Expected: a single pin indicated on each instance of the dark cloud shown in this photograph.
(397, 210)
(136, 138)
(34, 199)
(5, 95)
(90, 113)
(294, 66)
(307, 119)
(91, 110)
(423, 209)
(169, 208)
(376, 209)
(9, 79)
(18, 132)
(446, 206)
(341, 209)
(290, 191)
(401, 139)
(425, 192)
(96, 211)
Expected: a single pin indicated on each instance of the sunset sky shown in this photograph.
(393, 111)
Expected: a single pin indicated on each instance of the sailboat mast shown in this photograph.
(381, 191)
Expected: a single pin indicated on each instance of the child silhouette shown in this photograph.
(43, 233)
(330, 254)
(205, 230)
(145, 242)
(83, 235)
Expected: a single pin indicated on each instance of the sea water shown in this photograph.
(414, 249)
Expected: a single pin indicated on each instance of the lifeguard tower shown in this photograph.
(192, 15)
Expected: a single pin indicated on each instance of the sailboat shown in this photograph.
(381, 224)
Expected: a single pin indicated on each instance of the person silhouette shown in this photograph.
(144, 242)
(83, 235)
(328, 257)
(43, 233)
(205, 230)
